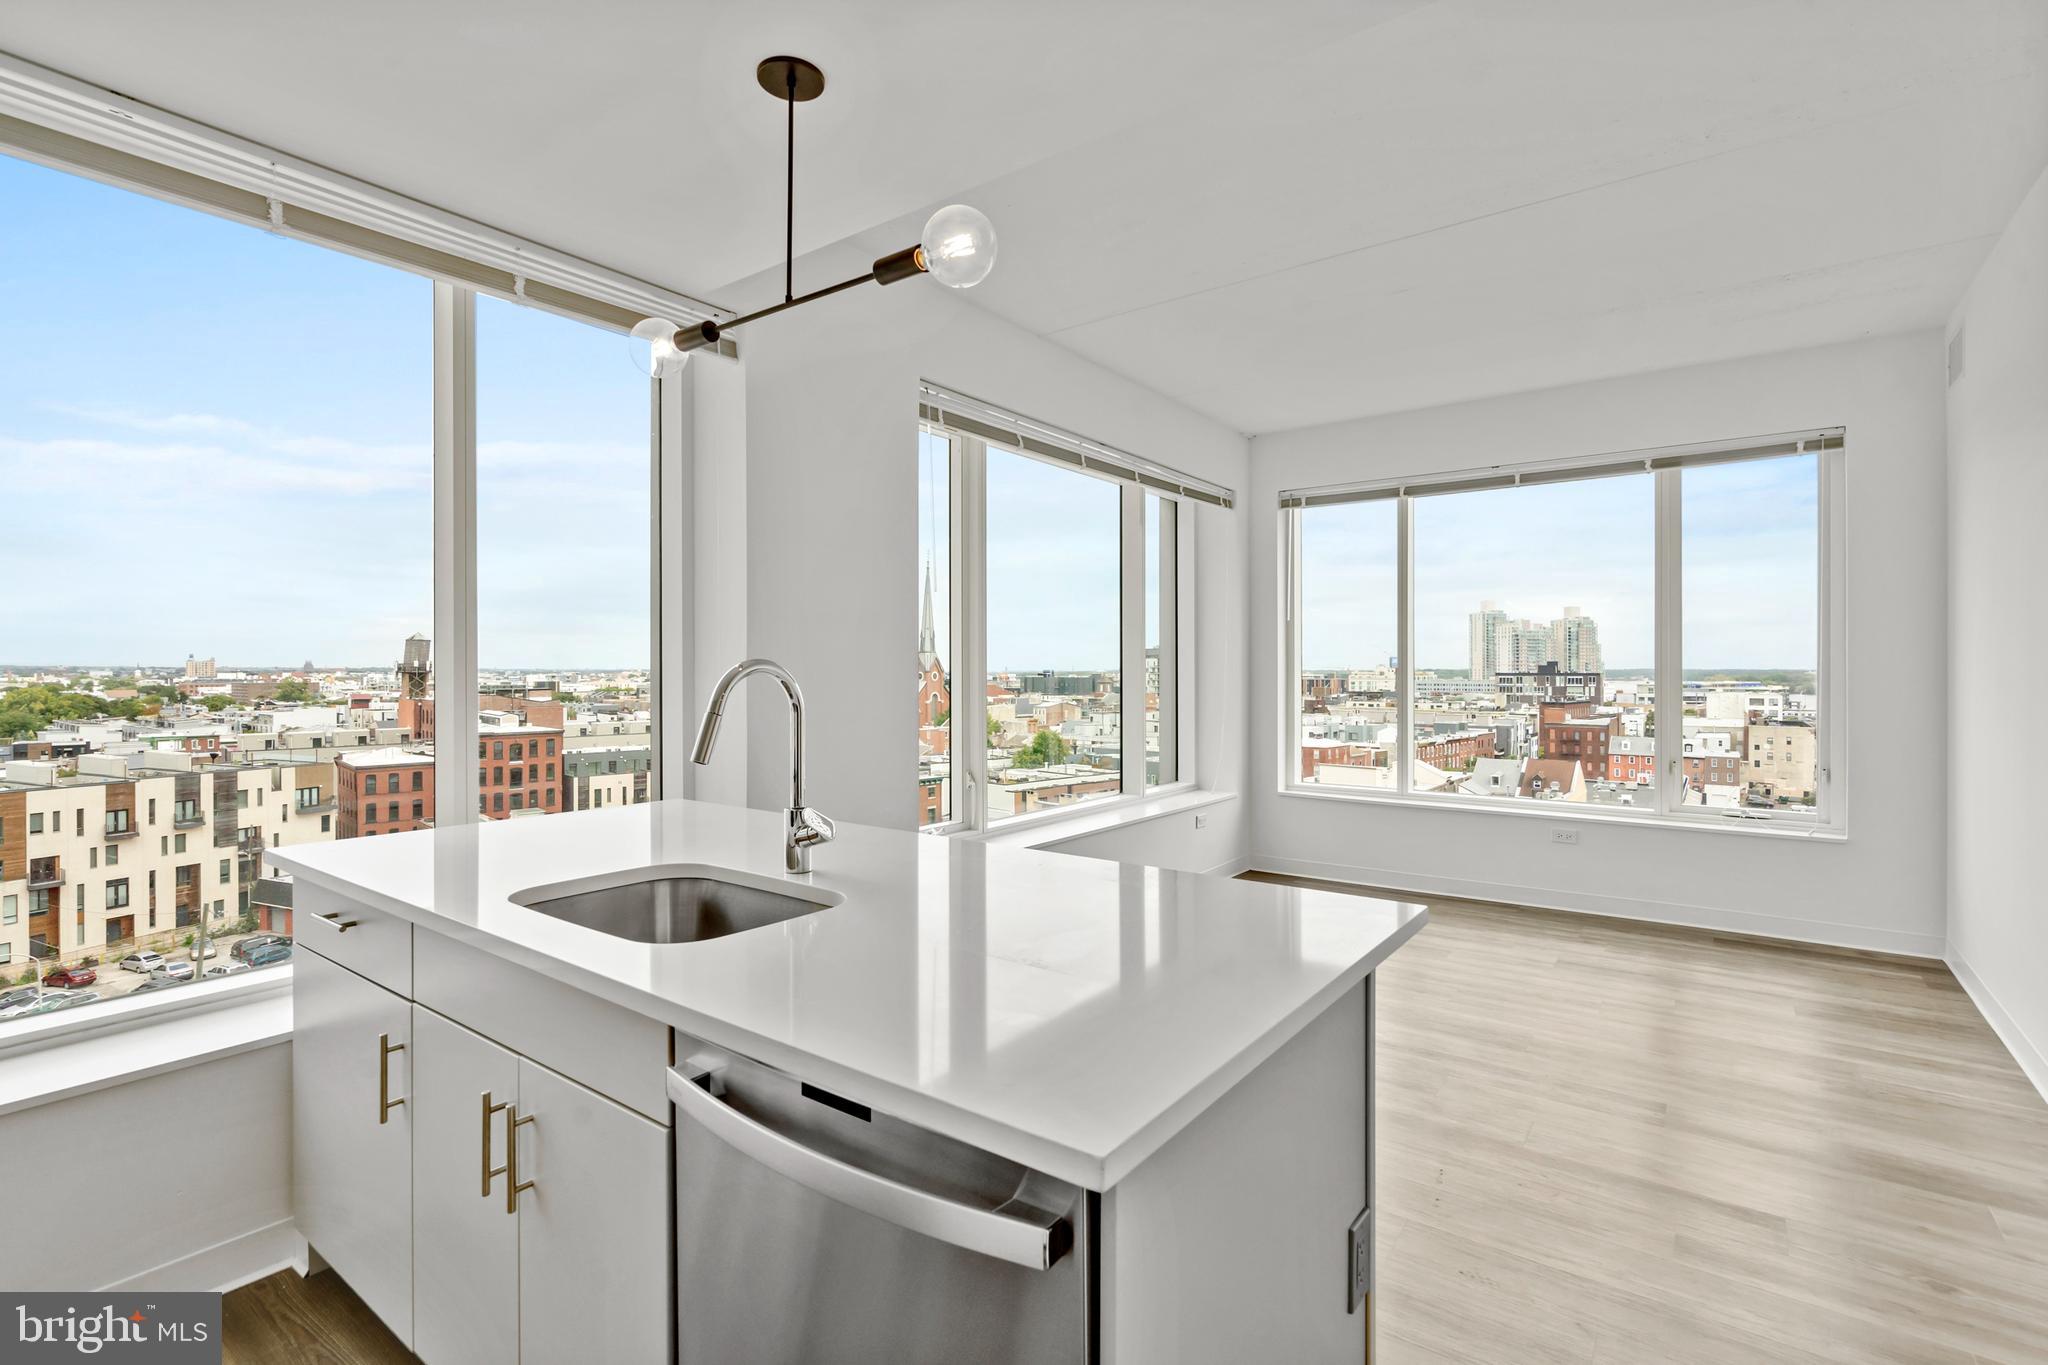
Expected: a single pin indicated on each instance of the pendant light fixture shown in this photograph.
(957, 247)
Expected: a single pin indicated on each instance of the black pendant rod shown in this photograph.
(796, 81)
(815, 294)
(789, 200)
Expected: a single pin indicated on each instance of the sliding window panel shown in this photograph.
(1346, 646)
(1534, 622)
(935, 653)
(565, 534)
(1054, 548)
(1752, 632)
(216, 449)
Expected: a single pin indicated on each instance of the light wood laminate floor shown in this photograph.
(1609, 1142)
(1606, 1142)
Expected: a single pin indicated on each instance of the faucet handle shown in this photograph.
(807, 826)
(806, 829)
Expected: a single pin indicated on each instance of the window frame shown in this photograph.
(967, 569)
(1666, 466)
(114, 128)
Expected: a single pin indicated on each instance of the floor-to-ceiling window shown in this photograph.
(216, 458)
(220, 446)
(564, 532)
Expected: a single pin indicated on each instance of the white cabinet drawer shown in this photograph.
(608, 1048)
(368, 942)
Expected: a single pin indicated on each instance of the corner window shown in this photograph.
(325, 431)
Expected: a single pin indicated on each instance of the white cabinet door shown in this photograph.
(465, 1238)
(594, 1275)
(352, 1132)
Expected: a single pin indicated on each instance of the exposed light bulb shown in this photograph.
(959, 246)
(654, 347)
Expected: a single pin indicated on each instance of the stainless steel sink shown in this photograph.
(674, 905)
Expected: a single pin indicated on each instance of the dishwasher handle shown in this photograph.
(1034, 1243)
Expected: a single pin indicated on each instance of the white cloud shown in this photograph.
(202, 423)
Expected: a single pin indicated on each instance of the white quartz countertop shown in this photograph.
(1068, 1013)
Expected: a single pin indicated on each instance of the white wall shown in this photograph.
(106, 1187)
(1884, 887)
(1998, 607)
(831, 521)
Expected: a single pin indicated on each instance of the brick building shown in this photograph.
(1582, 739)
(1456, 751)
(383, 791)
(520, 769)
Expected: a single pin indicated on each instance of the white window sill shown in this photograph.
(1556, 811)
(1053, 828)
(103, 1045)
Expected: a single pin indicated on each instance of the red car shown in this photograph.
(71, 977)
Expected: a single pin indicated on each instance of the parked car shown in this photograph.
(156, 982)
(267, 954)
(172, 971)
(145, 961)
(21, 1007)
(245, 946)
(70, 978)
(65, 1001)
(226, 968)
(199, 950)
(20, 995)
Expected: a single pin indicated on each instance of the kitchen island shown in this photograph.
(1167, 1073)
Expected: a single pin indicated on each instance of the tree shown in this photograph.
(24, 711)
(995, 728)
(217, 703)
(293, 689)
(1046, 748)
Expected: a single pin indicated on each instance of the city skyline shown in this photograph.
(1751, 538)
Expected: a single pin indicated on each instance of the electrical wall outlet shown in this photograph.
(1565, 836)
(1201, 820)
(1358, 1260)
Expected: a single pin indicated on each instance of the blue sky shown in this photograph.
(218, 441)
(1054, 556)
(1751, 576)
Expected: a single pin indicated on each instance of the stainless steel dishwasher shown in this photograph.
(813, 1231)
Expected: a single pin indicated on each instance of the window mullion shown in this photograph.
(970, 606)
(1404, 634)
(1670, 637)
(454, 662)
(1131, 622)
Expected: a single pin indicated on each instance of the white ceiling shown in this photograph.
(1280, 212)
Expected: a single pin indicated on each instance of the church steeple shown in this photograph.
(927, 639)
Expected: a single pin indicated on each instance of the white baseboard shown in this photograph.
(1822, 932)
(1241, 863)
(2031, 1058)
(225, 1265)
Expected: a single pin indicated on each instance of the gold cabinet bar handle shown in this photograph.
(514, 1186)
(385, 1104)
(490, 1172)
(333, 917)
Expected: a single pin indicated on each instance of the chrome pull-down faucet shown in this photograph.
(804, 827)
